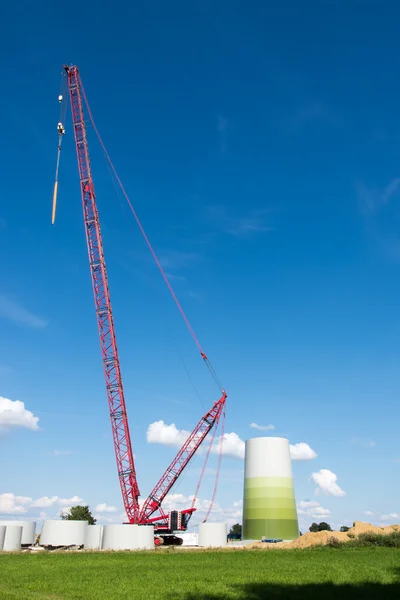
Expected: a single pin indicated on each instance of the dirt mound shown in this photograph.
(360, 527)
(319, 538)
(391, 528)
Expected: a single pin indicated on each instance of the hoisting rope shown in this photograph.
(64, 95)
(220, 452)
(204, 467)
(221, 446)
(155, 257)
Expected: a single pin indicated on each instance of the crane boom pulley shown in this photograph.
(111, 364)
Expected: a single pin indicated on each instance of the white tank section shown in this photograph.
(63, 533)
(267, 457)
(2, 536)
(94, 537)
(28, 530)
(145, 539)
(212, 535)
(12, 539)
(189, 539)
(120, 537)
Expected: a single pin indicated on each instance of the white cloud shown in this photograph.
(48, 501)
(177, 502)
(64, 511)
(368, 513)
(301, 451)
(262, 427)
(232, 446)
(169, 435)
(312, 509)
(307, 504)
(10, 504)
(390, 517)
(161, 433)
(102, 518)
(69, 501)
(319, 511)
(45, 502)
(105, 508)
(14, 414)
(61, 452)
(326, 481)
(14, 311)
(231, 514)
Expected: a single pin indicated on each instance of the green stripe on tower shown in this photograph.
(284, 529)
(269, 508)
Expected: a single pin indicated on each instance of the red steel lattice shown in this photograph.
(109, 351)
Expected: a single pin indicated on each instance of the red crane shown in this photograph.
(115, 392)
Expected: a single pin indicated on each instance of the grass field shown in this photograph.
(196, 575)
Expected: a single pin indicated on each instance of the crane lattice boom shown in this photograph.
(180, 461)
(108, 344)
(109, 350)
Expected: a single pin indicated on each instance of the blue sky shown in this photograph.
(259, 146)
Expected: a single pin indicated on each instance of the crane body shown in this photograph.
(151, 511)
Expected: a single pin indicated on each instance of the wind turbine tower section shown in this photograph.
(269, 505)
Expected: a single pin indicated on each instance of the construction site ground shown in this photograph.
(321, 538)
(328, 573)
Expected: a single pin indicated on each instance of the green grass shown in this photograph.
(324, 573)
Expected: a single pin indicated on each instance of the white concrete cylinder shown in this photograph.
(212, 535)
(2, 536)
(145, 539)
(120, 537)
(28, 530)
(269, 506)
(12, 539)
(63, 533)
(267, 457)
(189, 539)
(94, 536)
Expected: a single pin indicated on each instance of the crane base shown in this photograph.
(167, 540)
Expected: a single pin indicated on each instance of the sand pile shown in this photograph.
(391, 528)
(307, 540)
(320, 538)
(360, 527)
